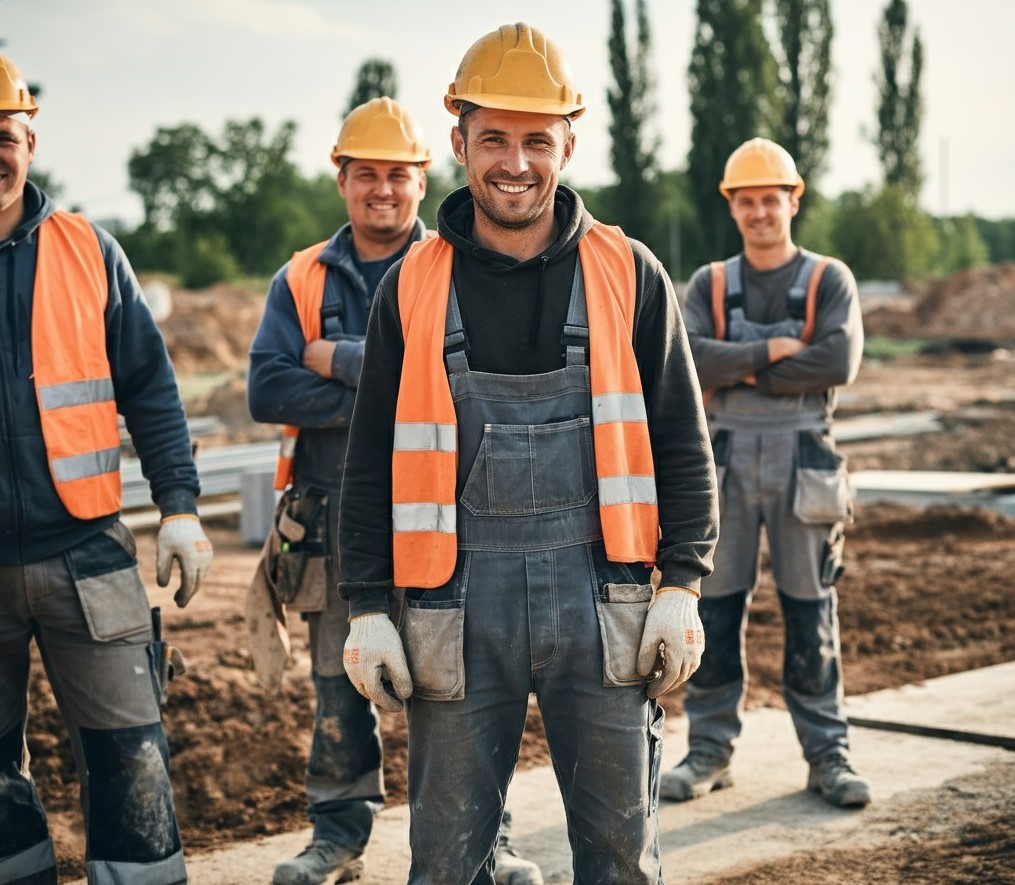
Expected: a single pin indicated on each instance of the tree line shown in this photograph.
(220, 206)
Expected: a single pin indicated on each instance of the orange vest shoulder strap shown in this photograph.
(810, 304)
(305, 278)
(718, 270)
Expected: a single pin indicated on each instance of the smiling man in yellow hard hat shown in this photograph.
(774, 331)
(78, 345)
(533, 439)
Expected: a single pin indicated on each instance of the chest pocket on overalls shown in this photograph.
(521, 470)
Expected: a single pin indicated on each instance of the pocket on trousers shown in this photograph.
(655, 756)
(303, 581)
(822, 494)
(622, 609)
(433, 636)
(109, 586)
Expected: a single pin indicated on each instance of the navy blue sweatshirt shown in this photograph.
(34, 524)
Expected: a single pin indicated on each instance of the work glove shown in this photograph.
(673, 639)
(182, 538)
(373, 652)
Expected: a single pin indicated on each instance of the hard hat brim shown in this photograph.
(571, 110)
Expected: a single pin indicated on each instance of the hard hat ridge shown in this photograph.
(760, 162)
(515, 68)
(14, 93)
(380, 129)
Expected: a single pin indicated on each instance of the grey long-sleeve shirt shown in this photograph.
(832, 357)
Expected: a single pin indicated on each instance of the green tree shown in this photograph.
(375, 78)
(999, 238)
(900, 108)
(239, 194)
(961, 244)
(172, 175)
(44, 180)
(804, 55)
(732, 80)
(883, 235)
(632, 150)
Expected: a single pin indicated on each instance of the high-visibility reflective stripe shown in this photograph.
(88, 464)
(626, 490)
(30, 864)
(423, 518)
(425, 437)
(114, 872)
(287, 444)
(608, 408)
(76, 393)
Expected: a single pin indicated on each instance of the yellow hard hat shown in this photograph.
(760, 163)
(380, 129)
(14, 94)
(515, 68)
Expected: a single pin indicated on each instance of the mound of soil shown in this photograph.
(977, 304)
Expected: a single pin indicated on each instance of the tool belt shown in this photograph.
(299, 570)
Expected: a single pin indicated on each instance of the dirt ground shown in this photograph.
(925, 593)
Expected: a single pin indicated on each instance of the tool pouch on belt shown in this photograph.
(822, 494)
(300, 573)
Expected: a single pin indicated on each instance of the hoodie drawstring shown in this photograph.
(537, 316)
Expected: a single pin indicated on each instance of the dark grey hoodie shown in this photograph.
(513, 314)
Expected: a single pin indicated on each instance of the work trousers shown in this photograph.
(344, 777)
(772, 477)
(88, 614)
(533, 606)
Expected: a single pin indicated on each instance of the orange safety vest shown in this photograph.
(425, 455)
(73, 380)
(718, 271)
(305, 278)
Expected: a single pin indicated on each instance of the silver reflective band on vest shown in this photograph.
(627, 489)
(423, 518)
(609, 408)
(83, 466)
(425, 437)
(76, 393)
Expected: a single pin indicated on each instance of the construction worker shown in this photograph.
(79, 345)
(305, 372)
(534, 421)
(774, 331)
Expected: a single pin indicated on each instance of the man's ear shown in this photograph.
(458, 144)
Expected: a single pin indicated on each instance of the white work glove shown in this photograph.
(673, 638)
(374, 652)
(182, 538)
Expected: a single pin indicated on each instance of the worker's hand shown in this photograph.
(673, 638)
(182, 538)
(317, 356)
(782, 348)
(374, 652)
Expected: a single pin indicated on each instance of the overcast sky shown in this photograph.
(114, 70)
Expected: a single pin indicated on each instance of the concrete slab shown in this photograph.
(767, 815)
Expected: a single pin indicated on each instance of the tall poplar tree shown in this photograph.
(900, 108)
(732, 77)
(804, 50)
(633, 149)
(375, 77)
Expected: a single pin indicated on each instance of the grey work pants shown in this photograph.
(760, 475)
(88, 614)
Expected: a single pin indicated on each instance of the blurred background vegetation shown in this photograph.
(229, 205)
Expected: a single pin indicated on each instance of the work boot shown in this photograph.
(695, 776)
(509, 867)
(833, 777)
(316, 862)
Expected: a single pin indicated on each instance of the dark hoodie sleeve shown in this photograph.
(685, 472)
(365, 520)
(146, 391)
